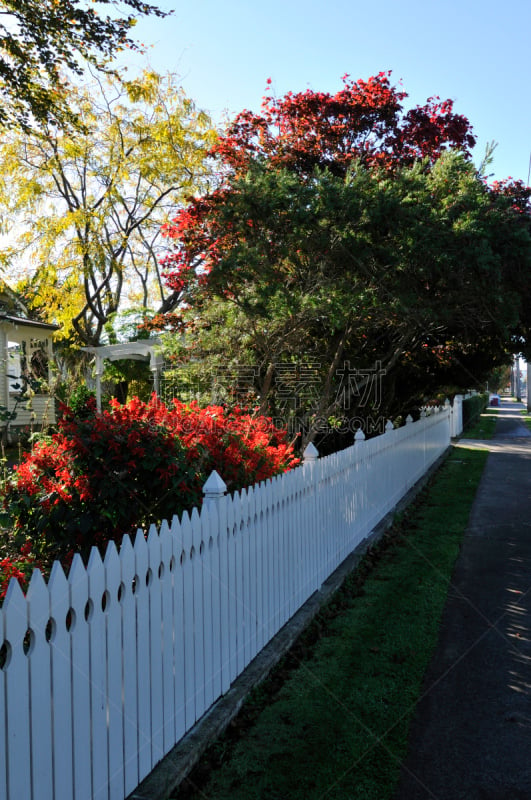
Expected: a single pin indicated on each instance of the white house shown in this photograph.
(26, 348)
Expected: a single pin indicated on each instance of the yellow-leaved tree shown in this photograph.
(81, 212)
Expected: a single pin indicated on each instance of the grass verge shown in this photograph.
(483, 427)
(527, 419)
(332, 720)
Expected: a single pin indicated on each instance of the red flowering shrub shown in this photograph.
(242, 448)
(19, 567)
(103, 475)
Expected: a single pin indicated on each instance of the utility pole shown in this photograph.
(518, 390)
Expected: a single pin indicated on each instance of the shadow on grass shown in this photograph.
(333, 718)
(484, 427)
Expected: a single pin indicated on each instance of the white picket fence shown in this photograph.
(103, 671)
(456, 415)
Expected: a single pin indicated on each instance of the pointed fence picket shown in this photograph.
(101, 673)
(129, 665)
(40, 694)
(143, 686)
(58, 639)
(167, 622)
(153, 585)
(19, 639)
(78, 629)
(97, 670)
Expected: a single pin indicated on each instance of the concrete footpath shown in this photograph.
(471, 734)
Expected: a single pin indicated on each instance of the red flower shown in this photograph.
(110, 473)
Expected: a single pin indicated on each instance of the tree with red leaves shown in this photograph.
(347, 230)
(364, 121)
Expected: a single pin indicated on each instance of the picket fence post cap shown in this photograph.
(389, 425)
(214, 485)
(359, 436)
(311, 453)
(409, 419)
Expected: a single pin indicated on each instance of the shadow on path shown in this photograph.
(471, 735)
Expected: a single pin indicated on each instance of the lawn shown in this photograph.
(332, 720)
(483, 427)
(526, 419)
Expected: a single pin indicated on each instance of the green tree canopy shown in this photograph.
(40, 39)
(352, 261)
(332, 284)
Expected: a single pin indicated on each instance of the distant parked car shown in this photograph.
(494, 400)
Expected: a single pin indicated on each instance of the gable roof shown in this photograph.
(30, 323)
(14, 310)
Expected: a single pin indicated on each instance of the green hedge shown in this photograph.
(472, 408)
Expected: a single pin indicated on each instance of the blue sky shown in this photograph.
(475, 52)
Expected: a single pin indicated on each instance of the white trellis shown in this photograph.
(147, 350)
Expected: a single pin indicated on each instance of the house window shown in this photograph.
(39, 359)
(16, 365)
(27, 365)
